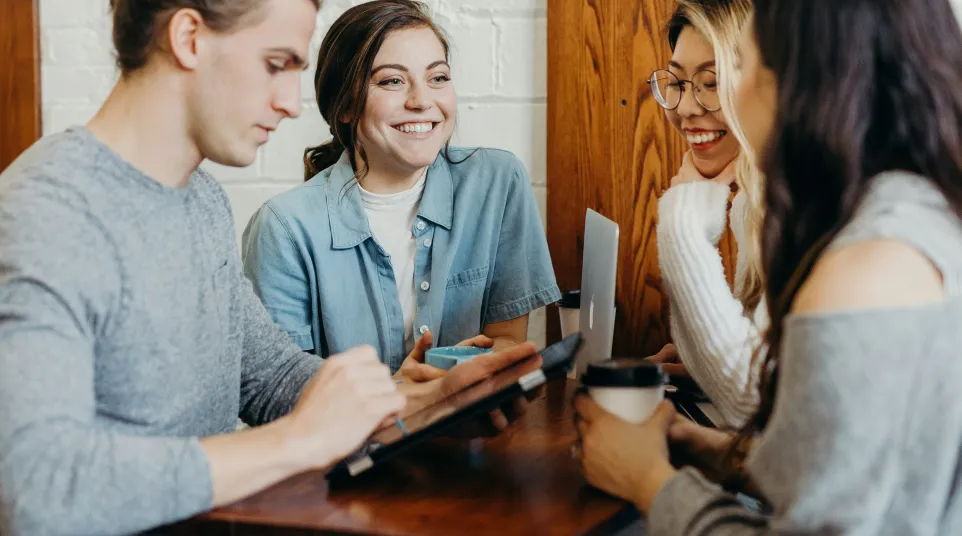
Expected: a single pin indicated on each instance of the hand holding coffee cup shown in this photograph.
(624, 459)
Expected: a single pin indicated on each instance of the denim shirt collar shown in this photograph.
(349, 224)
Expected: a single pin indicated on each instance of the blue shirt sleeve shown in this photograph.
(523, 278)
(278, 274)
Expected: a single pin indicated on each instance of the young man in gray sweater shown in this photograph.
(130, 340)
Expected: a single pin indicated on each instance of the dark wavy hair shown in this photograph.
(864, 86)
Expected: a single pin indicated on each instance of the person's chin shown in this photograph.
(239, 158)
(418, 159)
(712, 163)
(707, 167)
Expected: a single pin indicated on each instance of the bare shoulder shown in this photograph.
(872, 274)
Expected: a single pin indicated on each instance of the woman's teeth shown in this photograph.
(699, 138)
(415, 128)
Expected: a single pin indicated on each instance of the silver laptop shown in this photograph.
(599, 270)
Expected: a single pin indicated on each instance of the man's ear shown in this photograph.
(185, 37)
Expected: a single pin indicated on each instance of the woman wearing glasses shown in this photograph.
(715, 330)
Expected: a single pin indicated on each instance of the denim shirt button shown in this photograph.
(427, 242)
(423, 329)
(421, 225)
(425, 285)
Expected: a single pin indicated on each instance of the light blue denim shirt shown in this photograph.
(314, 262)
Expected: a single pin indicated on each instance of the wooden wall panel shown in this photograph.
(611, 149)
(19, 78)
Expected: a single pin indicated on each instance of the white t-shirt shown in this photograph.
(391, 217)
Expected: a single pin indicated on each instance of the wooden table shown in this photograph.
(521, 482)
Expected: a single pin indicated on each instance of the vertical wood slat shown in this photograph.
(20, 122)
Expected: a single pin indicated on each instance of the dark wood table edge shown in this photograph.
(214, 526)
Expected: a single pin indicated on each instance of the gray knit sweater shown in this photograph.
(127, 332)
(866, 434)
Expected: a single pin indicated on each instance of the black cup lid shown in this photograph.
(571, 300)
(633, 372)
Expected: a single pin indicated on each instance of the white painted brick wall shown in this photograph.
(499, 60)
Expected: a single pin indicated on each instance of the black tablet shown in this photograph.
(462, 407)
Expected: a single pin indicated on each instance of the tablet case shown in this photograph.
(556, 359)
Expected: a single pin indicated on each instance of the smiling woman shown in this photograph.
(396, 234)
(373, 53)
(715, 327)
(693, 71)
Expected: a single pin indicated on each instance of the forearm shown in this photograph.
(650, 485)
(68, 478)
(508, 333)
(274, 371)
(503, 343)
(715, 339)
(244, 463)
(63, 470)
(688, 504)
(710, 452)
(269, 391)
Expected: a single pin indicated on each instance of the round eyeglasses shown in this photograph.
(668, 89)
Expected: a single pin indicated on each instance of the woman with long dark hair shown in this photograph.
(855, 112)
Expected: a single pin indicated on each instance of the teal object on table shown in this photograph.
(447, 357)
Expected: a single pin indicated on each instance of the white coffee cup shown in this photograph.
(569, 310)
(628, 388)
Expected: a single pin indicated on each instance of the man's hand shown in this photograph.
(351, 395)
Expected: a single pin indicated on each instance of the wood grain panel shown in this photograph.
(19, 78)
(611, 149)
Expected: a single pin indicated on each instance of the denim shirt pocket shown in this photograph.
(467, 277)
(463, 301)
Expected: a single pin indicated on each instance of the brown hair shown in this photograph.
(871, 106)
(138, 24)
(344, 65)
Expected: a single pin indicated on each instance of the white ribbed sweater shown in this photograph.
(714, 337)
